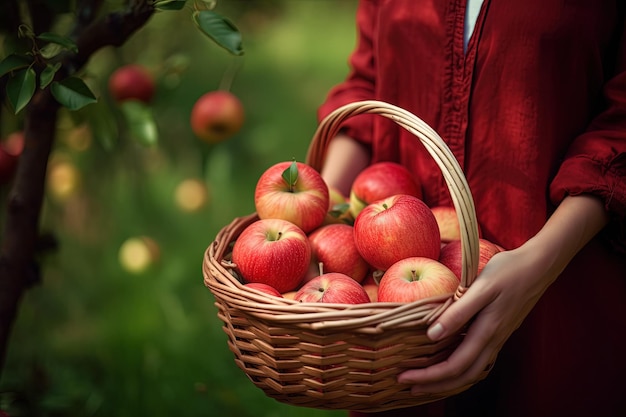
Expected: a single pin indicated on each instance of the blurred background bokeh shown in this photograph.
(97, 338)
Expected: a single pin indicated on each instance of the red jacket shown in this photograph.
(534, 111)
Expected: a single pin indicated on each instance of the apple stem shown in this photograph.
(414, 275)
(229, 74)
(321, 267)
(377, 275)
(385, 206)
(273, 237)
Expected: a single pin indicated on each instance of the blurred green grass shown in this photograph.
(95, 340)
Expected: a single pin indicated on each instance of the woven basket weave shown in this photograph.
(337, 356)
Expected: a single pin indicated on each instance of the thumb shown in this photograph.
(457, 315)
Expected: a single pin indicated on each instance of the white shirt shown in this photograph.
(471, 14)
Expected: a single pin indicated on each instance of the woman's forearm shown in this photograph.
(345, 158)
(574, 223)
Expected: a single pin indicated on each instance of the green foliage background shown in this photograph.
(94, 340)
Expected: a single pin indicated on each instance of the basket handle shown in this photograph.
(443, 156)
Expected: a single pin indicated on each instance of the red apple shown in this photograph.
(381, 180)
(216, 116)
(10, 151)
(333, 246)
(290, 295)
(332, 287)
(274, 252)
(416, 278)
(451, 255)
(401, 226)
(448, 221)
(292, 191)
(267, 289)
(372, 291)
(373, 277)
(131, 82)
(500, 248)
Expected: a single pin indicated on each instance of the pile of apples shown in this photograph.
(382, 243)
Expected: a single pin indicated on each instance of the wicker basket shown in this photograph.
(336, 356)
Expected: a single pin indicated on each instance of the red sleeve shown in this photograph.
(361, 81)
(595, 163)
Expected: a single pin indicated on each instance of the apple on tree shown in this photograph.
(131, 82)
(275, 252)
(397, 227)
(381, 180)
(416, 278)
(10, 150)
(333, 246)
(451, 255)
(216, 116)
(332, 287)
(292, 191)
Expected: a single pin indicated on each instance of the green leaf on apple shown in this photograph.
(21, 87)
(72, 93)
(221, 30)
(290, 175)
(339, 210)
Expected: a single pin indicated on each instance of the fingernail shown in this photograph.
(435, 332)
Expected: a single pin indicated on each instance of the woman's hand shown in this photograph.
(499, 299)
(503, 294)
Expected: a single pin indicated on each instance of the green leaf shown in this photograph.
(63, 41)
(13, 62)
(339, 210)
(290, 175)
(141, 122)
(47, 75)
(72, 93)
(221, 30)
(21, 87)
(169, 5)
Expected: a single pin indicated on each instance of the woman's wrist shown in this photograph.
(574, 223)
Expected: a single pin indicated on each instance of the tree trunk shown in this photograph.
(21, 225)
(23, 210)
